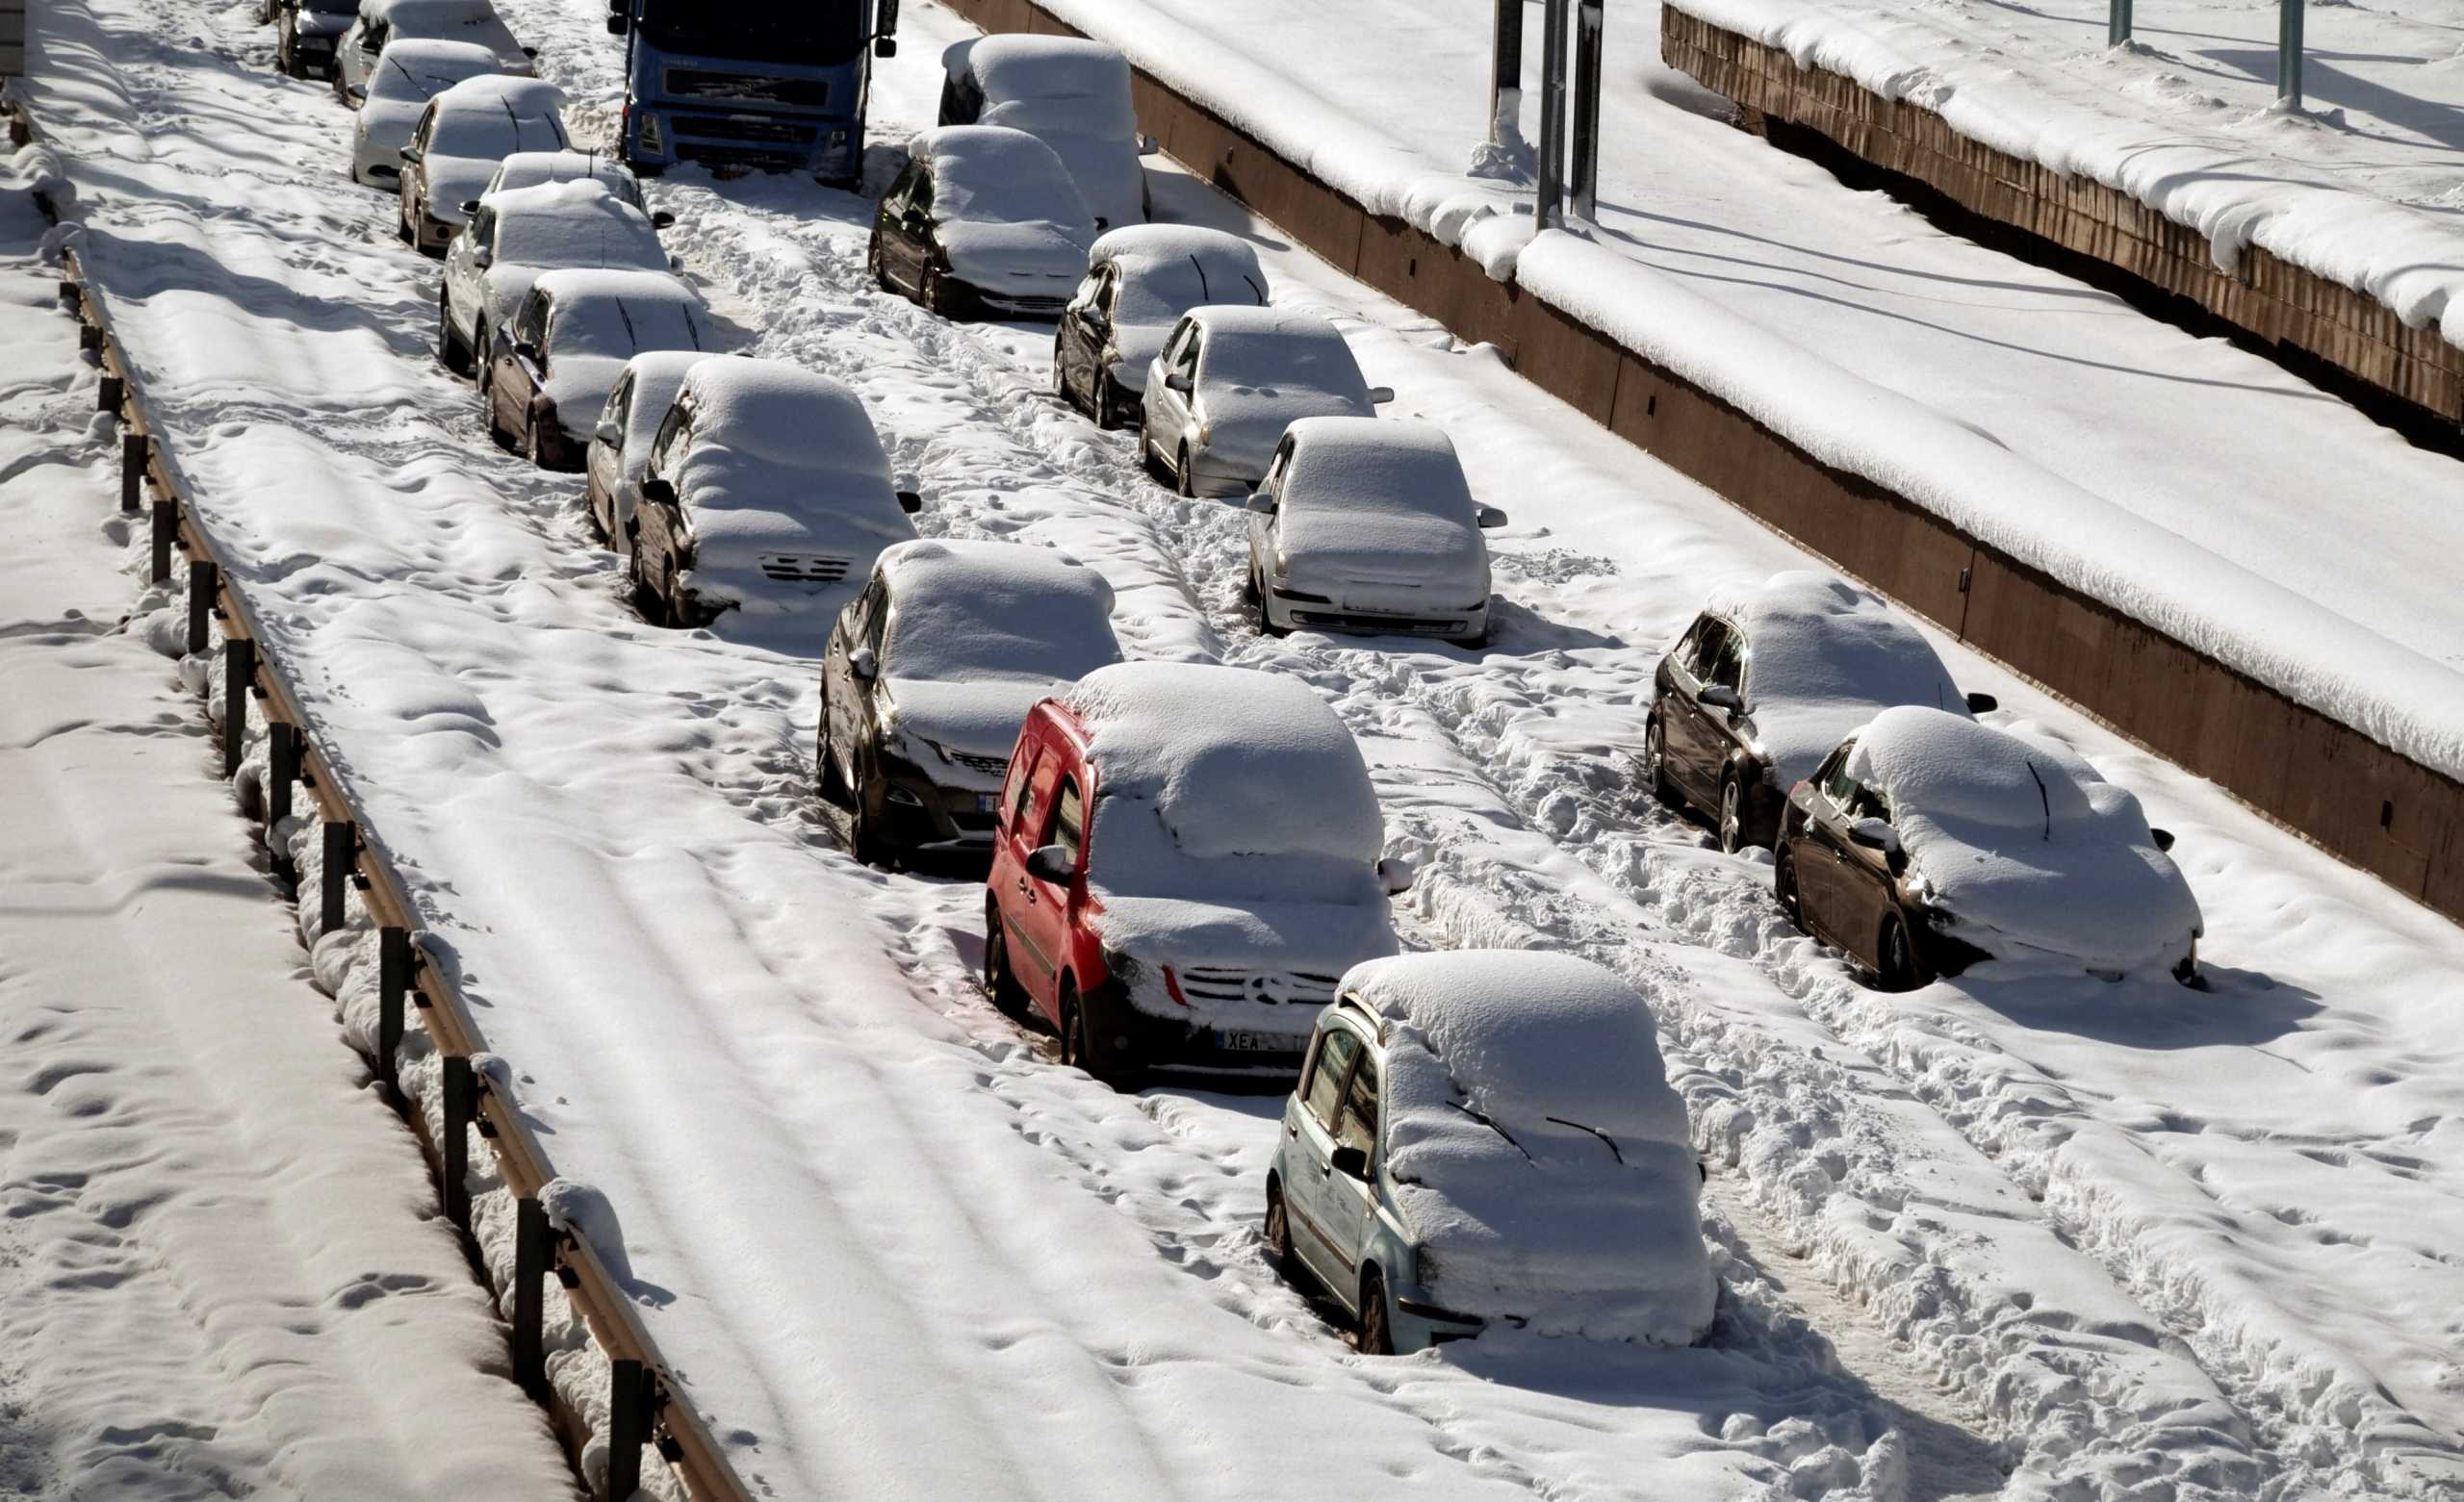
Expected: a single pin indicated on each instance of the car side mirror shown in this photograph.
(359, 92)
(469, 206)
(1983, 704)
(1179, 381)
(1103, 224)
(528, 349)
(533, 53)
(659, 493)
(884, 46)
(1052, 864)
(609, 433)
(861, 663)
(1146, 146)
(1395, 874)
(663, 219)
(412, 154)
(483, 258)
(2164, 839)
(1381, 396)
(1491, 519)
(1719, 695)
(1349, 1161)
(1874, 834)
(1259, 502)
(617, 25)
(910, 501)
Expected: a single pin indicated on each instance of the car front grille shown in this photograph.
(996, 765)
(1384, 625)
(690, 128)
(812, 93)
(1275, 988)
(805, 567)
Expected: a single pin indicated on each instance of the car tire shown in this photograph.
(1783, 887)
(864, 839)
(1655, 762)
(1258, 609)
(533, 446)
(404, 229)
(1276, 1229)
(1108, 403)
(830, 782)
(1060, 378)
(649, 601)
(1077, 1051)
(1008, 997)
(1185, 482)
(1895, 957)
(450, 351)
(877, 267)
(939, 296)
(1377, 1331)
(1732, 827)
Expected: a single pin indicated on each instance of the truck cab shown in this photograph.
(778, 84)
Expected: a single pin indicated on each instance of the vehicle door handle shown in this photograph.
(1028, 891)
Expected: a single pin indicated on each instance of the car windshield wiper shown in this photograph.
(1595, 1131)
(1483, 1118)
(2043, 797)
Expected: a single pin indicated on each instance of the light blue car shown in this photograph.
(1489, 1137)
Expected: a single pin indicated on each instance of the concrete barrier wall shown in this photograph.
(2349, 794)
(2348, 332)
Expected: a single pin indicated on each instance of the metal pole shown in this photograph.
(1548, 202)
(132, 455)
(2288, 55)
(628, 1427)
(1505, 76)
(239, 683)
(166, 530)
(461, 1109)
(1589, 23)
(282, 769)
(107, 394)
(529, 1279)
(341, 845)
(204, 583)
(2116, 22)
(392, 982)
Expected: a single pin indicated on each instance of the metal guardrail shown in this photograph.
(646, 1407)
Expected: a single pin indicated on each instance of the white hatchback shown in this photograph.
(1231, 379)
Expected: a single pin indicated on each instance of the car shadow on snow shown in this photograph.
(2230, 1008)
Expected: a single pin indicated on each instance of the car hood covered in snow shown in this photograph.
(2027, 849)
(1199, 850)
(1372, 507)
(1264, 369)
(981, 631)
(1828, 656)
(1015, 260)
(1072, 95)
(1006, 212)
(1536, 1147)
(451, 182)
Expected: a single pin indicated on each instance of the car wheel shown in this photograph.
(1278, 1235)
(833, 783)
(1077, 1049)
(1731, 815)
(864, 839)
(1108, 403)
(645, 599)
(533, 446)
(451, 352)
(1783, 887)
(1060, 378)
(1186, 480)
(1655, 762)
(1009, 998)
(940, 298)
(403, 230)
(874, 264)
(1376, 1335)
(1896, 961)
(1258, 607)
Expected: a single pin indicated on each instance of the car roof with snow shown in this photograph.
(1535, 1145)
(2022, 837)
(421, 67)
(533, 168)
(976, 611)
(1220, 753)
(414, 13)
(990, 173)
(1170, 268)
(1017, 65)
(569, 285)
(506, 91)
(1826, 654)
(573, 224)
(1399, 465)
(768, 415)
(1269, 352)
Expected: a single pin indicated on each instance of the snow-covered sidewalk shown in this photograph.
(222, 1271)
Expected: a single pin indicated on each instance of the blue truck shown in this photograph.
(776, 85)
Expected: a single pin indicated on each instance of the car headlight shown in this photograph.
(653, 134)
(1282, 564)
(1205, 434)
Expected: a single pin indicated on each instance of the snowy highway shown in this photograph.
(2122, 1239)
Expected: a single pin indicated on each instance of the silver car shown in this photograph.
(1230, 381)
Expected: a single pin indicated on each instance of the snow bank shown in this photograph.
(2027, 849)
(1536, 1146)
(1825, 656)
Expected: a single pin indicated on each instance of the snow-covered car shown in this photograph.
(382, 23)
(766, 491)
(1184, 863)
(461, 137)
(620, 446)
(984, 221)
(1228, 383)
(516, 237)
(1488, 1136)
(554, 363)
(307, 32)
(1927, 842)
(1769, 678)
(929, 675)
(399, 88)
(533, 168)
(1139, 280)
(1366, 524)
(1070, 93)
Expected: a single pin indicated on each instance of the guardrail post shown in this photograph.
(108, 393)
(461, 1109)
(132, 455)
(393, 981)
(239, 684)
(205, 581)
(629, 1426)
(166, 530)
(341, 845)
(282, 769)
(72, 298)
(529, 1290)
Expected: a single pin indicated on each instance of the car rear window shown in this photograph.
(493, 131)
(623, 327)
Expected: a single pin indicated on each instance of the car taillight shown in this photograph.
(1172, 986)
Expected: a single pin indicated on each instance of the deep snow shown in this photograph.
(2116, 1237)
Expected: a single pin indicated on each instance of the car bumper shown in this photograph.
(1307, 612)
(919, 816)
(432, 234)
(1417, 1320)
(746, 142)
(1216, 476)
(313, 57)
(1124, 1034)
(977, 300)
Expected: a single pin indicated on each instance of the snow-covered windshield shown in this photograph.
(491, 131)
(1376, 469)
(998, 628)
(1282, 360)
(812, 33)
(980, 177)
(1161, 290)
(622, 326)
(409, 77)
(599, 234)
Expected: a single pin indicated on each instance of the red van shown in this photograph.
(1185, 862)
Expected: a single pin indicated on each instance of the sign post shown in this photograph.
(1548, 200)
(1589, 22)
(2288, 55)
(2116, 22)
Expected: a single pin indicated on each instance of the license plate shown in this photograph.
(987, 803)
(1253, 1042)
